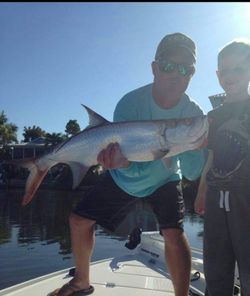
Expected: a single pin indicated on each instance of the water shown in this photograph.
(35, 240)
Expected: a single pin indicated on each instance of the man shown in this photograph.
(158, 182)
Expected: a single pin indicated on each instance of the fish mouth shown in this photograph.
(200, 139)
(203, 131)
(204, 134)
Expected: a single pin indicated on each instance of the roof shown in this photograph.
(38, 142)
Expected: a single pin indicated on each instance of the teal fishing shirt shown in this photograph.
(141, 179)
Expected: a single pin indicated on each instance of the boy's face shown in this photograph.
(234, 74)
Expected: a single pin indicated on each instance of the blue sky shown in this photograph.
(55, 56)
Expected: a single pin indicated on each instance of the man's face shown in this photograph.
(173, 72)
(234, 74)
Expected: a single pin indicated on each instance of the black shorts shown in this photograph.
(107, 204)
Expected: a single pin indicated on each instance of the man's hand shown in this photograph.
(111, 157)
(203, 144)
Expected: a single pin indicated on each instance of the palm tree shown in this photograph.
(7, 135)
(7, 131)
(54, 139)
(72, 127)
(32, 133)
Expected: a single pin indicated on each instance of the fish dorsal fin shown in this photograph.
(94, 118)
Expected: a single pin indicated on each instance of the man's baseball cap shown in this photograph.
(175, 40)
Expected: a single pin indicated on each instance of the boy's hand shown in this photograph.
(199, 204)
(111, 157)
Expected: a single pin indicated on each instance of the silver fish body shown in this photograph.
(139, 141)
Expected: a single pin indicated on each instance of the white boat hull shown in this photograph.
(142, 272)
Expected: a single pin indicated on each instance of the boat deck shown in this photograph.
(142, 272)
(126, 277)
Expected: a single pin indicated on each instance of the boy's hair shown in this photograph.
(239, 46)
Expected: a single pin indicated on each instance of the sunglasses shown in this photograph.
(169, 67)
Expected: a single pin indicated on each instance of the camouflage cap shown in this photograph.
(176, 40)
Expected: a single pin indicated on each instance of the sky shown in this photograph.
(56, 56)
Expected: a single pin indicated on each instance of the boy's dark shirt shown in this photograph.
(229, 139)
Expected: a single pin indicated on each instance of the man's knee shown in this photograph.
(173, 236)
(78, 221)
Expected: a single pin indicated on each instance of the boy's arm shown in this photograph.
(199, 204)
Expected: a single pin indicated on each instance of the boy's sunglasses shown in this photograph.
(169, 67)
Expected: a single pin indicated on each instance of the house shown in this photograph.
(30, 149)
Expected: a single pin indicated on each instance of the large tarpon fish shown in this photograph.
(139, 141)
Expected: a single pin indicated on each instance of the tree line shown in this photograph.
(8, 132)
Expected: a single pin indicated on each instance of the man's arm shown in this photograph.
(192, 163)
(112, 157)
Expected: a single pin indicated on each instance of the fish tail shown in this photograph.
(34, 180)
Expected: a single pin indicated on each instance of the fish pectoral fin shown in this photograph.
(78, 171)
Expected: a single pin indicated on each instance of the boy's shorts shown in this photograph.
(108, 205)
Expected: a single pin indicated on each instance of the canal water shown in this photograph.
(35, 240)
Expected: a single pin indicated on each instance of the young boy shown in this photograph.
(225, 182)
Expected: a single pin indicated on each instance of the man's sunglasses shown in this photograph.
(169, 67)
